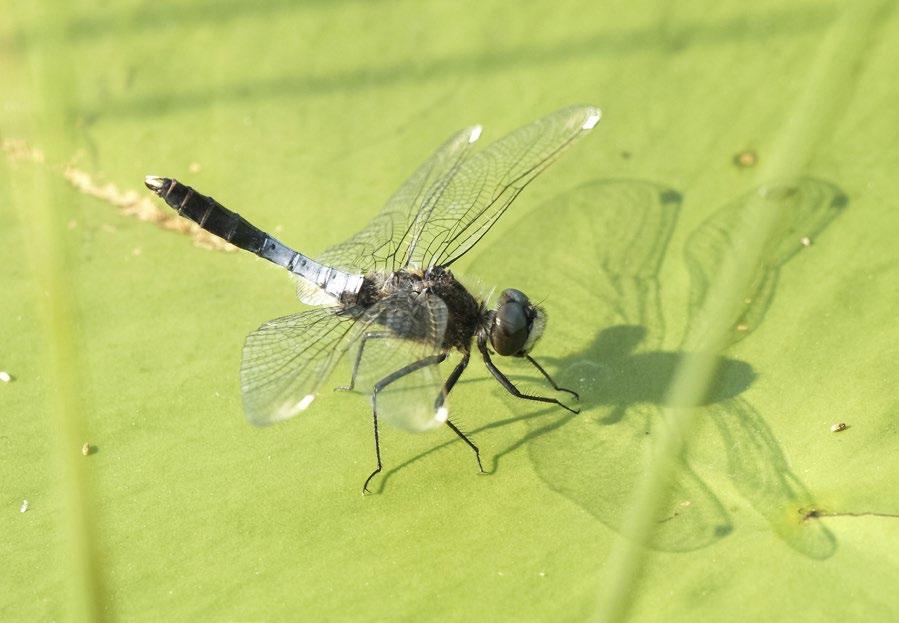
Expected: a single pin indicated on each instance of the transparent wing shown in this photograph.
(402, 344)
(462, 207)
(375, 247)
(312, 294)
(286, 359)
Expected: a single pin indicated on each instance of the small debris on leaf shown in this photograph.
(742, 327)
(806, 241)
(5, 376)
(746, 159)
(87, 449)
(24, 506)
(839, 426)
(194, 167)
(810, 513)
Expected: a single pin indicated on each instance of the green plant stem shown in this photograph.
(829, 88)
(46, 249)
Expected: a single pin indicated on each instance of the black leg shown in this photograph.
(505, 382)
(365, 490)
(387, 380)
(549, 378)
(373, 335)
(450, 382)
(464, 437)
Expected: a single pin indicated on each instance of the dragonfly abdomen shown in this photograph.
(209, 214)
(232, 227)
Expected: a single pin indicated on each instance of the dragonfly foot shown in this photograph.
(365, 490)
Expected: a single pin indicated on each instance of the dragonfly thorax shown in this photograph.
(433, 292)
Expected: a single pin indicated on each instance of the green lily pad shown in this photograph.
(122, 332)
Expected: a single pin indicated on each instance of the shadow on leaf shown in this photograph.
(607, 261)
(602, 270)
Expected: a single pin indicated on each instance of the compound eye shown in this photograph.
(509, 331)
(511, 295)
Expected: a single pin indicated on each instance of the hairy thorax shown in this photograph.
(463, 311)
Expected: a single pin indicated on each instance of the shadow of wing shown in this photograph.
(597, 251)
(756, 463)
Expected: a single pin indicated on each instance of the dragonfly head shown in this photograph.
(516, 324)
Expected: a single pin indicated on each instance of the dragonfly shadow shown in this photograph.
(623, 375)
(618, 374)
(605, 266)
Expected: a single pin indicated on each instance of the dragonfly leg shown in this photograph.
(549, 378)
(371, 335)
(450, 382)
(505, 382)
(464, 437)
(365, 490)
(387, 380)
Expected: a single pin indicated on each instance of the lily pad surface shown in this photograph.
(133, 488)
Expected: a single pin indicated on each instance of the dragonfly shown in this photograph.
(387, 295)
